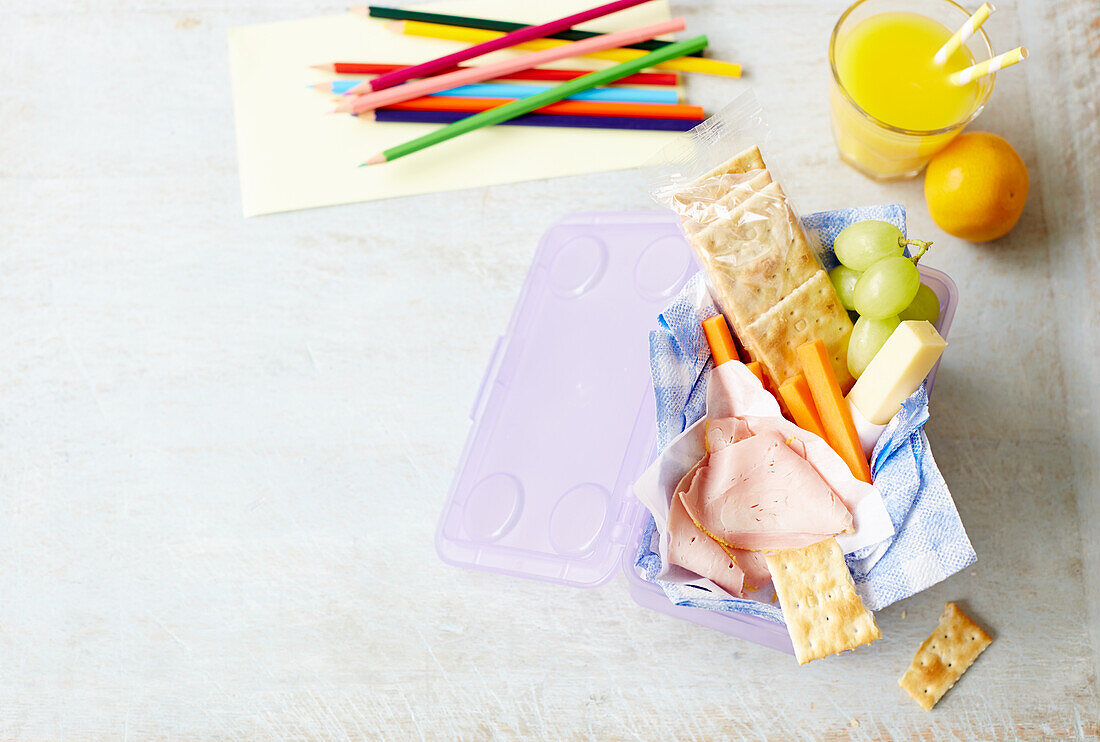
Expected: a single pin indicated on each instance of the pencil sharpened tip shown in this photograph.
(362, 10)
(323, 67)
(378, 159)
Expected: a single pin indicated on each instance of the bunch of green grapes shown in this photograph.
(877, 281)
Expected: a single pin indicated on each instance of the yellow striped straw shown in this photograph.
(478, 36)
(989, 66)
(960, 37)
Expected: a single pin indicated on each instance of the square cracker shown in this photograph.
(944, 657)
(700, 206)
(712, 185)
(742, 162)
(823, 613)
(812, 311)
(755, 256)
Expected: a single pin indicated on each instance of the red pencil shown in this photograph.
(642, 78)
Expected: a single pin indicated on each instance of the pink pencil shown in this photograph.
(507, 40)
(431, 85)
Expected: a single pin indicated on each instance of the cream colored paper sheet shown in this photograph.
(294, 154)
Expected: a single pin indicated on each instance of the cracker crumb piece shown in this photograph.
(944, 657)
(903, 615)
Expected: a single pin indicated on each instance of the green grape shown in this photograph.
(886, 288)
(867, 337)
(861, 245)
(925, 306)
(844, 281)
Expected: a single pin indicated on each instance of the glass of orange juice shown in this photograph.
(892, 105)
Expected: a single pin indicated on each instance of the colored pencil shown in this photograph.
(431, 85)
(527, 105)
(475, 36)
(553, 74)
(498, 90)
(386, 115)
(544, 73)
(448, 61)
(487, 24)
(564, 107)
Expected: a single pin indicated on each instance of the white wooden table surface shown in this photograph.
(224, 443)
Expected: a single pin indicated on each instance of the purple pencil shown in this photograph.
(535, 119)
(529, 33)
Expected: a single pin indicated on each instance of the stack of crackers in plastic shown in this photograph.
(762, 271)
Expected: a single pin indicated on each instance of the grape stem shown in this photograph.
(921, 245)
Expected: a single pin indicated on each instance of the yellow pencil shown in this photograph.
(478, 36)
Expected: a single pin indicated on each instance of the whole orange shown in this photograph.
(976, 187)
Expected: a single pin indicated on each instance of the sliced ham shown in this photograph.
(734, 570)
(758, 494)
(696, 551)
(755, 490)
(755, 567)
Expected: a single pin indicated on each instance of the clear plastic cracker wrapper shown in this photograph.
(761, 270)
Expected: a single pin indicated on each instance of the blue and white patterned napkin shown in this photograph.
(930, 543)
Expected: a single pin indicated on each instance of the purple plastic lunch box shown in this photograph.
(563, 423)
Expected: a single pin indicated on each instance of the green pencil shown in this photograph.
(486, 24)
(527, 105)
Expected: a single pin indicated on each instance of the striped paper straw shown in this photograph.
(960, 37)
(989, 66)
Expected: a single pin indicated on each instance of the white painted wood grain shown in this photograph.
(224, 443)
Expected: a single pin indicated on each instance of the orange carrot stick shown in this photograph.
(795, 392)
(840, 431)
(757, 371)
(720, 340)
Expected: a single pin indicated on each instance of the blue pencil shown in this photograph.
(502, 90)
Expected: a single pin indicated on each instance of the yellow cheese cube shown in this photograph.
(897, 370)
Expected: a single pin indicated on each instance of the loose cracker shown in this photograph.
(944, 657)
(823, 613)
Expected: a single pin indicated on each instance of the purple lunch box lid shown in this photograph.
(564, 421)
